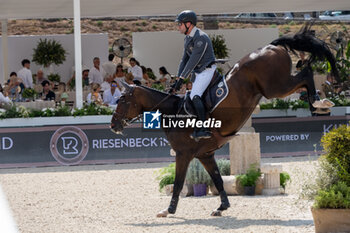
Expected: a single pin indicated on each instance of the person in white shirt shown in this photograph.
(5, 101)
(25, 74)
(136, 71)
(112, 95)
(96, 73)
(109, 67)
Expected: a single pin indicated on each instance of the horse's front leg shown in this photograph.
(210, 165)
(182, 163)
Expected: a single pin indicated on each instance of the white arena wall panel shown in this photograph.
(21, 47)
(156, 49)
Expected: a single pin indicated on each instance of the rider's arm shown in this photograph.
(199, 48)
(183, 62)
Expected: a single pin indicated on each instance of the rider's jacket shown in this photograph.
(198, 53)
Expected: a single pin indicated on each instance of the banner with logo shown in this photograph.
(83, 144)
(294, 136)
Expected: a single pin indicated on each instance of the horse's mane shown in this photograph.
(157, 91)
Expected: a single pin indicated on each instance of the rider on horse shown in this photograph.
(198, 58)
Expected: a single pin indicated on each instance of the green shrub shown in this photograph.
(336, 144)
(196, 174)
(284, 178)
(63, 110)
(166, 175)
(224, 167)
(219, 46)
(251, 176)
(49, 52)
(325, 177)
(29, 93)
(337, 197)
(54, 77)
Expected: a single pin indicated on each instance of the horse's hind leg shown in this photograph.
(210, 165)
(182, 163)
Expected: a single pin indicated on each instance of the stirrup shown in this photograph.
(201, 134)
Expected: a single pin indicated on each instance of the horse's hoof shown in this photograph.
(216, 213)
(162, 214)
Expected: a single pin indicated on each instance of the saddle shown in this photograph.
(215, 93)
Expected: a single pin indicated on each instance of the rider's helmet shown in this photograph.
(187, 16)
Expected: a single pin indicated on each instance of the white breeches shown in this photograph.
(202, 81)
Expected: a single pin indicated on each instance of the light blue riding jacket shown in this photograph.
(198, 53)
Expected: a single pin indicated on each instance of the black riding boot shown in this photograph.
(199, 133)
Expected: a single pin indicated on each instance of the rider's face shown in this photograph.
(181, 28)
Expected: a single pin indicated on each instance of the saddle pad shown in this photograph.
(212, 97)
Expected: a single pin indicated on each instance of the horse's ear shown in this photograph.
(126, 86)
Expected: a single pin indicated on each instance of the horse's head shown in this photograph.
(127, 109)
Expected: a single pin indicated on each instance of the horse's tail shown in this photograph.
(305, 41)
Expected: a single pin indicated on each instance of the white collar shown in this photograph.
(193, 31)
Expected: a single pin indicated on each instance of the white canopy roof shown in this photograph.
(24, 9)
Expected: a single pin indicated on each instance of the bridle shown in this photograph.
(121, 116)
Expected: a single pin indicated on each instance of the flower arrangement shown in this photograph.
(61, 110)
(29, 93)
(284, 104)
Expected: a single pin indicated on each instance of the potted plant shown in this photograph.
(331, 188)
(249, 179)
(56, 78)
(198, 177)
(29, 94)
(166, 176)
(49, 52)
(284, 179)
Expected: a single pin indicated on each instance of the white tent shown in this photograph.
(26, 9)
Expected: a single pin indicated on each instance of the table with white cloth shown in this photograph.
(37, 105)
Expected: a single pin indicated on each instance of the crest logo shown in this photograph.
(69, 145)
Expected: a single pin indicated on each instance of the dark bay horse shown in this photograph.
(264, 72)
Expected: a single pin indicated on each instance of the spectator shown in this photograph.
(62, 94)
(14, 88)
(5, 101)
(112, 95)
(136, 71)
(109, 67)
(40, 77)
(25, 74)
(328, 87)
(145, 77)
(47, 94)
(107, 83)
(85, 79)
(119, 75)
(129, 78)
(97, 73)
(94, 96)
(165, 77)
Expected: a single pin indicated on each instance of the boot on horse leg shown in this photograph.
(182, 163)
(211, 167)
(202, 132)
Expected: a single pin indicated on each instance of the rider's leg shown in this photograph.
(199, 86)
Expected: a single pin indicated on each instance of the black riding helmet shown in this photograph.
(187, 16)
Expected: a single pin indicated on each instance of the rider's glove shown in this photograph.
(177, 85)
